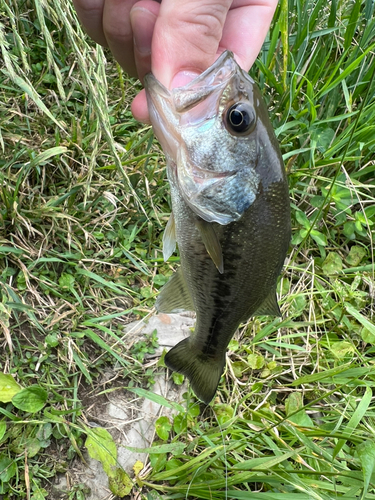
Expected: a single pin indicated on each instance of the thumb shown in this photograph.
(186, 38)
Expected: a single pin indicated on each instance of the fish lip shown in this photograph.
(212, 80)
(151, 82)
(164, 119)
(181, 99)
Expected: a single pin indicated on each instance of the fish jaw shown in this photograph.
(162, 115)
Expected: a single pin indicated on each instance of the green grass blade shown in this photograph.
(355, 419)
(352, 24)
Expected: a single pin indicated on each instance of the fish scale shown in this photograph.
(231, 213)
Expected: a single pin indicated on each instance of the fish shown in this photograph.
(230, 212)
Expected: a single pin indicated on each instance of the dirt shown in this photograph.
(128, 418)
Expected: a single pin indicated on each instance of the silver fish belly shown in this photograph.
(230, 212)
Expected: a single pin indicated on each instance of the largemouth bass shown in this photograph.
(230, 212)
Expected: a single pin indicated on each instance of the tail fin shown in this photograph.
(204, 373)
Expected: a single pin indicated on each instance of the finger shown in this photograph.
(246, 28)
(90, 13)
(143, 18)
(139, 108)
(187, 36)
(118, 32)
(244, 31)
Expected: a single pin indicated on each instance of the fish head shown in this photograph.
(218, 140)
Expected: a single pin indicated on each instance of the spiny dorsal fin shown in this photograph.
(212, 243)
(269, 307)
(169, 238)
(174, 296)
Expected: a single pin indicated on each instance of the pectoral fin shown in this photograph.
(174, 296)
(212, 243)
(269, 307)
(169, 238)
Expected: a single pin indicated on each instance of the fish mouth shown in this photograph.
(198, 89)
(215, 78)
(168, 106)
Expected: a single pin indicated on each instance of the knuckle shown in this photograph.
(117, 31)
(206, 21)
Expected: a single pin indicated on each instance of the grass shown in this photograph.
(84, 201)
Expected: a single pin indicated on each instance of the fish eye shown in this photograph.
(240, 118)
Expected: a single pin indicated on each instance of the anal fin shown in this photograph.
(212, 243)
(174, 296)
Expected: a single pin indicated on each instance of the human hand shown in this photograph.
(175, 39)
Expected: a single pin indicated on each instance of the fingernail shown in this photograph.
(141, 34)
(182, 78)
